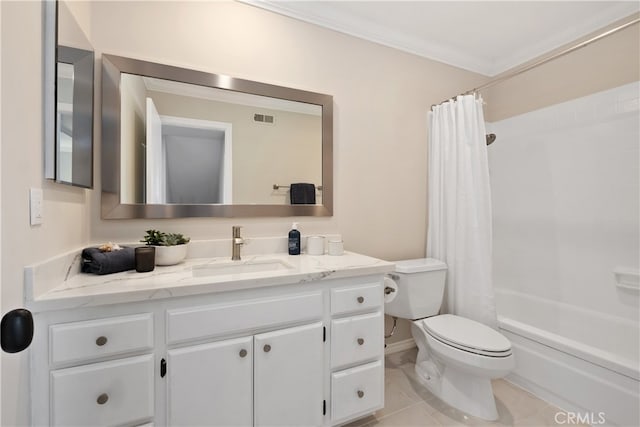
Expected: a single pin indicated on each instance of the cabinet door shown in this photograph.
(288, 377)
(211, 384)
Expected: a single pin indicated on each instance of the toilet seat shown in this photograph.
(467, 335)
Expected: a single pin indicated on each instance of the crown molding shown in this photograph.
(442, 52)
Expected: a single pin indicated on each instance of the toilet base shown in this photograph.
(470, 394)
(463, 386)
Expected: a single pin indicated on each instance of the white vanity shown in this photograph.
(208, 343)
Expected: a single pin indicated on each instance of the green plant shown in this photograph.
(158, 238)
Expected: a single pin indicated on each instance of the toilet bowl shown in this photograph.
(457, 357)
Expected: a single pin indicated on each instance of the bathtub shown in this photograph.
(580, 360)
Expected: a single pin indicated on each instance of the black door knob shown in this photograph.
(16, 330)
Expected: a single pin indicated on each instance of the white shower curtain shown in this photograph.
(459, 228)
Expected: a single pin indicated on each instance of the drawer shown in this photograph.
(356, 339)
(209, 321)
(108, 393)
(356, 298)
(93, 339)
(357, 391)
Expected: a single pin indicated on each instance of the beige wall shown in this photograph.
(607, 63)
(66, 209)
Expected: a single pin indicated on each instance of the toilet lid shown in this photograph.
(467, 334)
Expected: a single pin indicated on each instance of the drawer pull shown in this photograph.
(360, 341)
(102, 399)
(266, 348)
(100, 341)
(243, 352)
(360, 394)
(360, 300)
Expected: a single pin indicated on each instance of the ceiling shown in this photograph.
(487, 37)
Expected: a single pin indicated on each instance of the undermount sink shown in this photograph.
(240, 267)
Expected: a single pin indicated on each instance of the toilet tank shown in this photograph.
(420, 288)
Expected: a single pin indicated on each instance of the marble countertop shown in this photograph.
(73, 290)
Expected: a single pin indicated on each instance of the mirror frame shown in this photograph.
(112, 208)
(82, 61)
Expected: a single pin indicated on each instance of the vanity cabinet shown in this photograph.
(273, 378)
(306, 354)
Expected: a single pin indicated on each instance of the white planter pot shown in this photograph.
(170, 255)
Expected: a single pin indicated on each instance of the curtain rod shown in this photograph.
(548, 59)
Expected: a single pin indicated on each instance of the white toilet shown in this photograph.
(457, 357)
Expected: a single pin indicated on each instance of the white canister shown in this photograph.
(335, 247)
(315, 245)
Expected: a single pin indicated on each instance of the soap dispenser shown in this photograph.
(294, 240)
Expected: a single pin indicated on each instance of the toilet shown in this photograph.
(457, 357)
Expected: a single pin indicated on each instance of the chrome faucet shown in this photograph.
(236, 242)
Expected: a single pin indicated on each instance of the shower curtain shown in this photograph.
(459, 228)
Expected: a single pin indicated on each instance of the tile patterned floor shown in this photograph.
(407, 404)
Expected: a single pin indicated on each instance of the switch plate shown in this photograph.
(35, 206)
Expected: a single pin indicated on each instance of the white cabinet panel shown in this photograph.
(103, 394)
(357, 391)
(289, 377)
(356, 339)
(88, 340)
(208, 321)
(211, 384)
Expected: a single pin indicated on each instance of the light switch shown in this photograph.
(35, 206)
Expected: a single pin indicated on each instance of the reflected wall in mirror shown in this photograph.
(68, 106)
(180, 142)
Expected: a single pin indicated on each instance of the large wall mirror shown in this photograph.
(182, 143)
(68, 109)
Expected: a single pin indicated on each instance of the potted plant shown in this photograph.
(171, 248)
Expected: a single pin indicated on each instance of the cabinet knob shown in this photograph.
(102, 399)
(360, 341)
(360, 300)
(360, 394)
(266, 348)
(243, 352)
(100, 341)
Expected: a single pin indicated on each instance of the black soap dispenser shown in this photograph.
(294, 240)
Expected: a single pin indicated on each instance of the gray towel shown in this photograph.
(97, 262)
(302, 194)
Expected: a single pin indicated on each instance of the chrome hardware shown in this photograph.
(100, 341)
(360, 394)
(360, 341)
(243, 352)
(236, 242)
(360, 300)
(266, 348)
(388, 290)
(102, 399)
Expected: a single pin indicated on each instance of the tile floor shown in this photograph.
(407, 404)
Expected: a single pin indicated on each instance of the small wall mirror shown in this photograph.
(179, 143)
(68, 97)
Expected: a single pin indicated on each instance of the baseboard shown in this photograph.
(399, 346)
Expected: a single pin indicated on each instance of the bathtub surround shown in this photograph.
(459, 222)
(566, 188)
